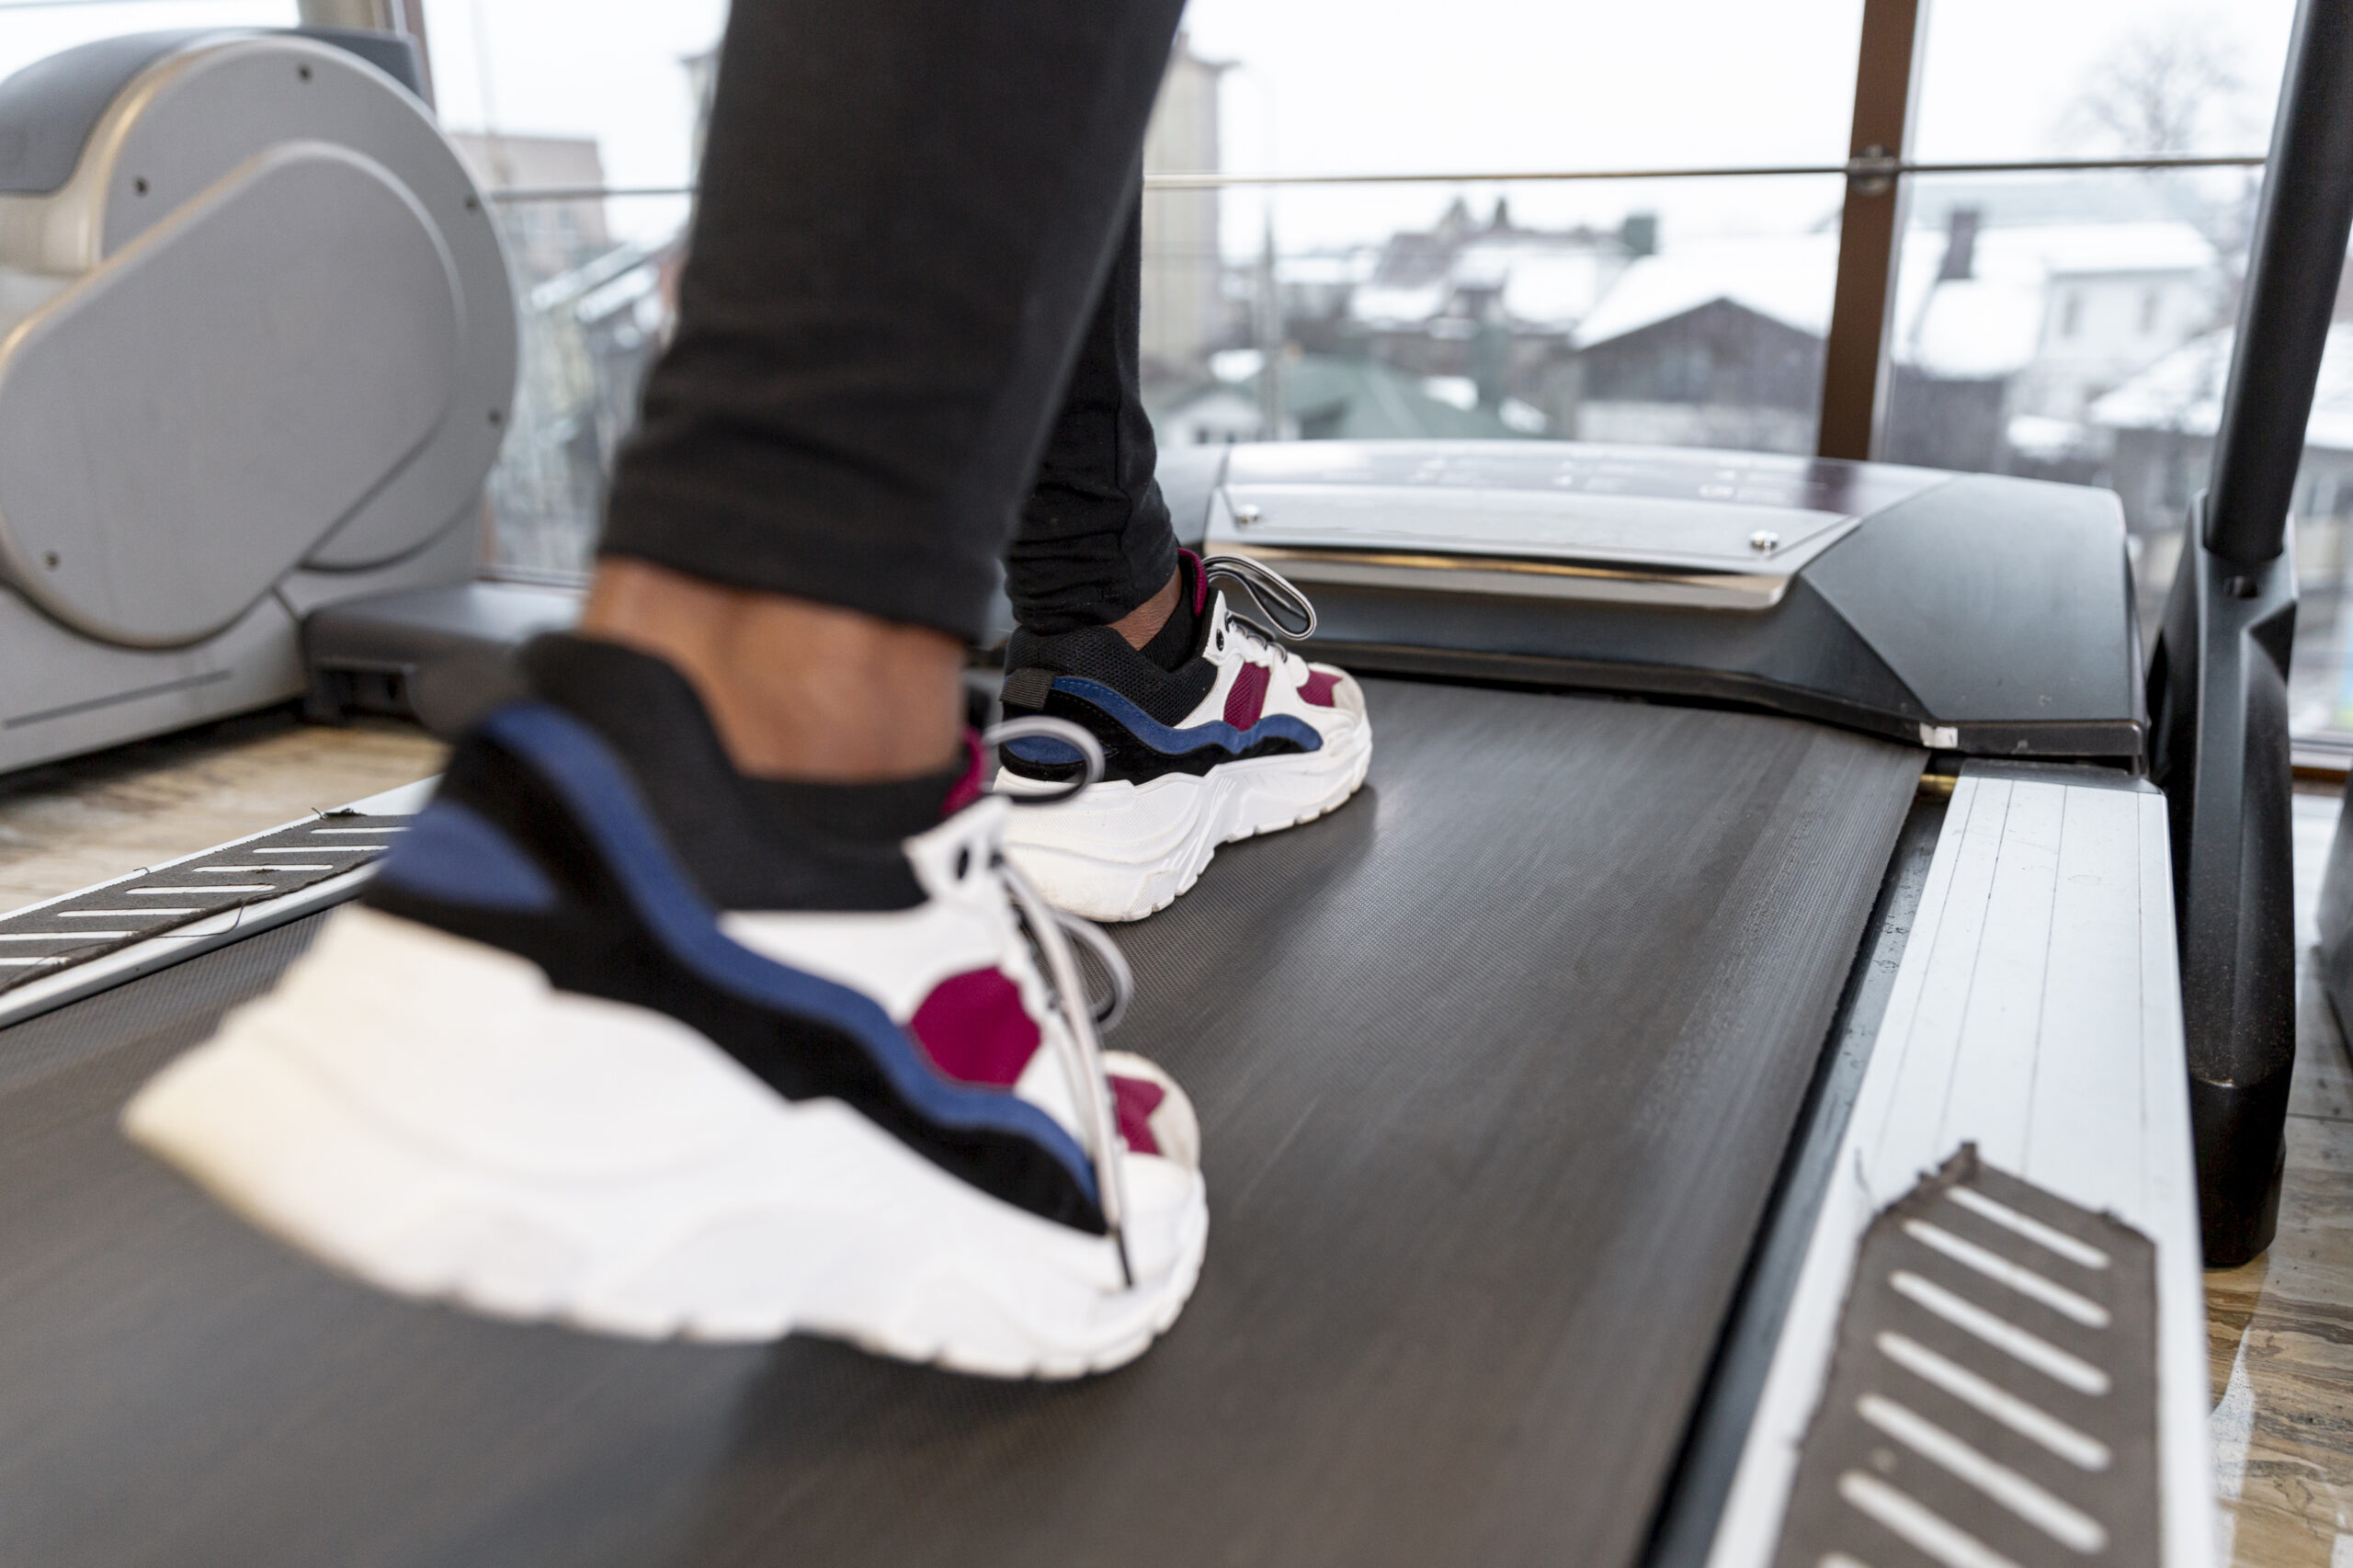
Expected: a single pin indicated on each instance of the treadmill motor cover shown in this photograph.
(1960, 612)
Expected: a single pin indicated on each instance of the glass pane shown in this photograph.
(1401, 86)
(2025, 78)
(624, 76)
(576, 94)
(597, 287)
(2078, 327)
(1458, 309)
(1684, 312)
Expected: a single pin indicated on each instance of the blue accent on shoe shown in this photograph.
(572, 760)
(1159, 736)
(450, 853)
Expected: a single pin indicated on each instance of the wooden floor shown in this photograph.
(2280, 1329)
(72, 824)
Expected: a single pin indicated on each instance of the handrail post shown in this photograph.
(2217, 682)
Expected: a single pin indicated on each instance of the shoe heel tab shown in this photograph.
(1027, 688)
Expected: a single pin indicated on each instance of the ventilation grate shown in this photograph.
(57, 936)
(1992, 1399)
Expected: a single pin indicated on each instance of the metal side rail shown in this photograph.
(2037, 1017)
(64, 949)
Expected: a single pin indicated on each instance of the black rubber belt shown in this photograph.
(1495, 1067)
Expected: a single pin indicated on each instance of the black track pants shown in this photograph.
(903, 255)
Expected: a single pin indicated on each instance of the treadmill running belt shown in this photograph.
(1495, 1067)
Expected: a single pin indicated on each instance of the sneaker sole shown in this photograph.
(1121, 851)
(427, 1114)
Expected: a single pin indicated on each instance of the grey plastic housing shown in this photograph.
(49, 109)
(257, 349)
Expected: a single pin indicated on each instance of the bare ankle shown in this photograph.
(797, 689)
(1142, 624)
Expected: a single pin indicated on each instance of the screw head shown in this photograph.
(1764, 541)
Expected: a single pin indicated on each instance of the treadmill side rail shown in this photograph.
(226, 919)
(2035, 1014)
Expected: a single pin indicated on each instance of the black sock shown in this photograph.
(884, 813)
(749, 842)
(1173, 644)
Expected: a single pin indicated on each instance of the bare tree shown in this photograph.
(2175, 83)
(2169, 86)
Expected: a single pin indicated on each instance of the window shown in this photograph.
(2066, 325)
(2139, 270)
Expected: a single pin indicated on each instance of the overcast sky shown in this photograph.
(1340, 85)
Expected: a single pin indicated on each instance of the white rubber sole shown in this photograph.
(1121, 851)
(428, 1115)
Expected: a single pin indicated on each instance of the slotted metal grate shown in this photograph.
(1993, 1401)
(57, 936)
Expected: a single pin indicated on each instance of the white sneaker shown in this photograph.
(536, 1075)
(1243, 738)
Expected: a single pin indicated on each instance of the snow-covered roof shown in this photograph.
(1990, 323)
(2184, 392)
(1984, 325)
(1974, 328)
(1386, 304)
(1789, 278)
(1484, 264)
(2067, 250)
(1555, 288)
(1328, 268)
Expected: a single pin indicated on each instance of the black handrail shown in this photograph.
(2293, 271)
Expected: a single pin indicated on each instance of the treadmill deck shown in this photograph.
(1495, 1068)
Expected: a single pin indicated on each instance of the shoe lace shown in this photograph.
(1113, 1007)
(1084, 1019)
(1271, 592)
(1039, 727)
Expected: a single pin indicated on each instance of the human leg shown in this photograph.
(1212, 730)
(1094, 546)
(696, 1003)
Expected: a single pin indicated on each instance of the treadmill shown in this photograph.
(1728, 1092)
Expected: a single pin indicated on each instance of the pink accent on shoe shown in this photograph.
(1135, 1100)
(1317, 687)
(1248, 698)
(968, 788)
(1201, 580)
(975, 1029)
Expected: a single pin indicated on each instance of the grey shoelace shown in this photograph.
(1051, 930)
